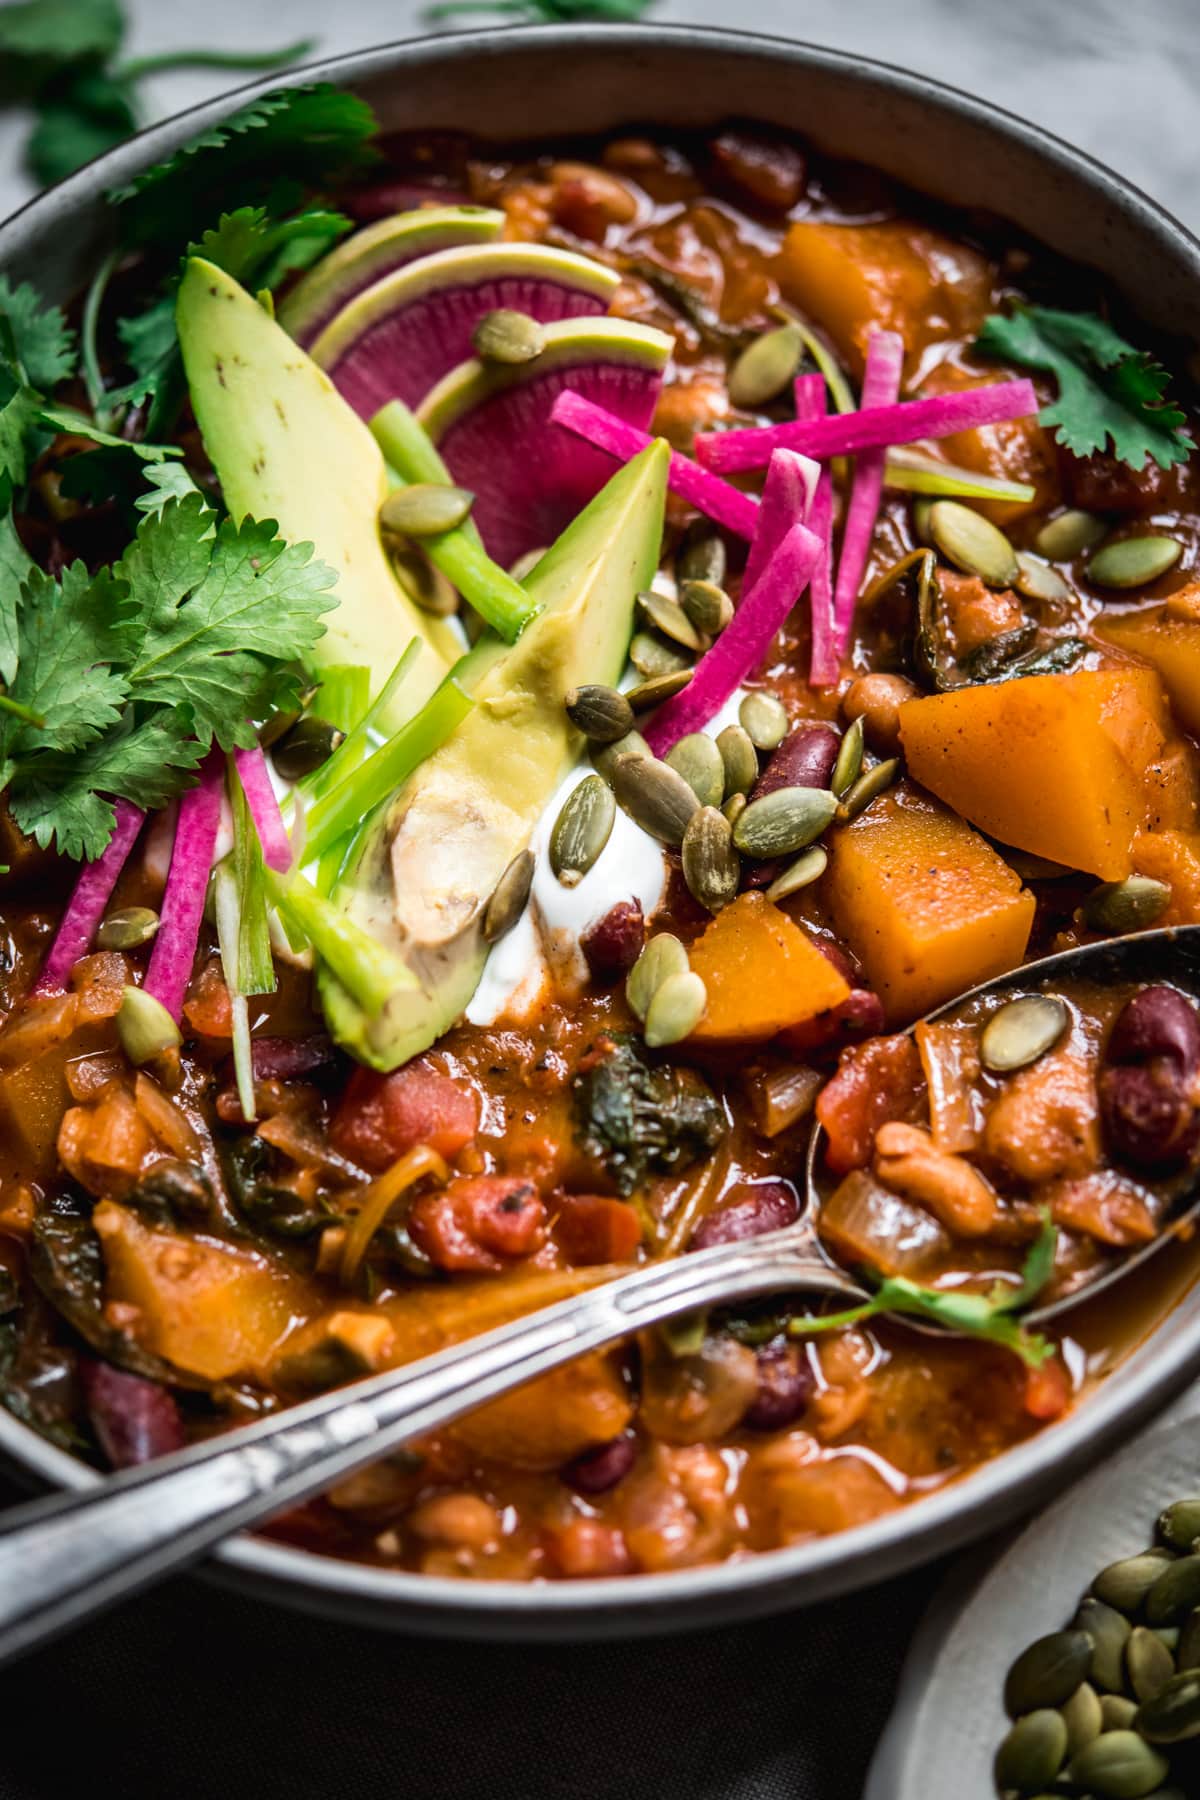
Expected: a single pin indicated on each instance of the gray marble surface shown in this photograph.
(1120, 78)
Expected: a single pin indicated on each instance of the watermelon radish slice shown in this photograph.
(379, 250)
(398, 338)
(492, 426)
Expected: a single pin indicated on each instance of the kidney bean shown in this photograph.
(285, 1059)
(753, 1209)
(1148, 1114)
(614, 943)
(379, 1117)
(785, 1387)
(599, 1470)
(1160, 1021)
(768, 173)
(859, 1016)
(1101, 484)
(804, 759)
(134, 1419)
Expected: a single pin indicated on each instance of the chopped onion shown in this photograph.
(255, 778)
(881, 386)
(949, 1053)
(174, 950)
(85, 909)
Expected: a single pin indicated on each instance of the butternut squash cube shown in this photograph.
(1170, 645)
(762, 974)
(1053, 764)
(1172, 857)
(926, 905)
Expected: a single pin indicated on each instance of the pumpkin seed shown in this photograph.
(508, 897)
(1168, 1635)
(310, 742)
(698, 760)
(527, 562)
(126, 928)
(1178, 1525)
(1033, 1752)
(1187, 1652)
(867, 788)
(582, 829)
(1134, 562)
(734, 807)
(1175, 1593)
(808, 867)
(1117, 1712)
(601, 713)
(1048, 1671)
(669, 618)
(652, 692)
(1129, 905)
(710, 863)
(763, 719)
(676, 1010)
(656, 797)
(1063, 538)
(426, 586)
(662, 957)
(1118, 1765)
(1015, 1036)
(1108, 1630)
(701, 554)
(1148, 1662)
(1082, 1717)
(920, 520)
(145, 1027)
(1172, 1713)
(425, 509)
(505, 336)
(1038, 581)
(651, 656)
(972, 543)
(787, 820)
(740, 759)
(707, 606)
(848, 767)
(765, 367)
(1125, 1584)
(604, 755)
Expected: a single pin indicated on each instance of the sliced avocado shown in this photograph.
(287, 447)
(431, 859)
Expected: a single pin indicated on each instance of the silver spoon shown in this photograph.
(64, 1558)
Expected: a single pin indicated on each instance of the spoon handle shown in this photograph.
(64, 1558)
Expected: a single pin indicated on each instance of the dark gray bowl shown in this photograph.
(591, 79)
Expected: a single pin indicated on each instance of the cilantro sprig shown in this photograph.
(1108, 391)
(989, 1316)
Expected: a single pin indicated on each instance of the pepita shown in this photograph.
(663, 956)
(1033, 1752)
(1118, 1765)
(508, 897)
(1149, 1663)
(763, 718)
(1048, 1671)
(1063, 538)
(656, 797)
(765, 367)
(710, 863)
(1117, 1712)
(505, 336)
(145, 1027)
(668, 617)
(867, 788)
(425, 585)
(734, 807)
(707, 606)
(582, 829)
(1172, 1713)
(740, 759)
(1082, 1716)
(972, 543)
(920, 520)
(1129, 905)
(310, 742)
(1015, 1036)
(656, 688)
(701, 555)
(651, 655)
(1175, 1593)
(604, 755)
(780, 823)
(425, 509)
(1108, 1630)
(676, 1010)
(1178, 1525)
(1133, 562)
(848, 767)
(127, 928)
(698, 760)
(1038, 581)
(1187, 1653)
(1125, 1584)
(601, 713)
(808, 867)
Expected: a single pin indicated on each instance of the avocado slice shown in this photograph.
(430, 859)
(287, 447)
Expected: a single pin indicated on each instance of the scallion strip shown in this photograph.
(369, 973)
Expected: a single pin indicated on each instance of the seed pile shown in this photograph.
(1110, 1706)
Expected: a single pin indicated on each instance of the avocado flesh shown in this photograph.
(287, 447)
(431, 860)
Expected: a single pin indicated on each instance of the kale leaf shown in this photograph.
(635, 1118)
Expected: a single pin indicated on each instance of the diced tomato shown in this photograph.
(208, 1008)
(592, 1229)
(1047, 1390)
(478, 1221)
(586, 1547)
(382, 1116)
(875, 1082)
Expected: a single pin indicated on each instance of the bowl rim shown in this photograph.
(816, 1569)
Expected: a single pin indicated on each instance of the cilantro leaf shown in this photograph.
(167, 481)
(63, 799)
(1107, 389)
(66, 637)
(15, 566)
(79, 116)
(41, 341)
(19, 417)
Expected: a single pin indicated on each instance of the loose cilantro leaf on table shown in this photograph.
(1107, 389)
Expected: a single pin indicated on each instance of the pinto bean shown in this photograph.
(762, 1206)
(1160, 1021)
(908, 1162)
(769, 174)
(614, 943)
(135, 1420)
(785, 1386)
(876, 700)
(588, 1547)
(597, 1471)
(464, 1521)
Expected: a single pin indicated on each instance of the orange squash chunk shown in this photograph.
(1172, 857)
(1172, 646)
(926, 905)
(761, 972)
(1053, 764)
(894, 275)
